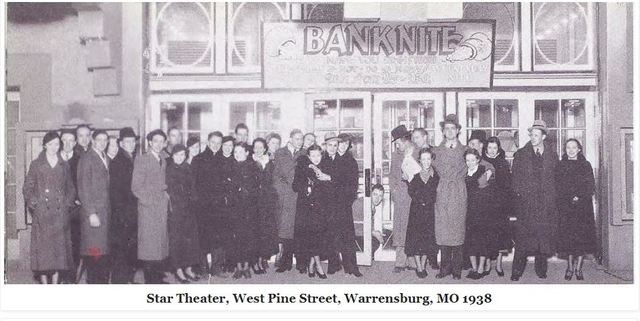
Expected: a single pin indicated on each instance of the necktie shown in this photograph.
(538, 152)
(451, 146)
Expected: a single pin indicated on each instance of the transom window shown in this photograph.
(262, 117)
(496, 117)
(565, 119)
(193, 119)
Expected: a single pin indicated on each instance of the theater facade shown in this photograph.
(354, 68)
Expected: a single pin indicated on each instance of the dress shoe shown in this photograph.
(398, 269)
(283, 269)
(579, 275)
(312, 274)
(181, 279)
(333, 270)
(500, 273)
(473, 275)
(568, 275)
(515, 278)
(457, 276)
(356, 273)
(441, 274)
(322, 276)
(237, 274)
(542, 275)
(421, 274)
(246, 274)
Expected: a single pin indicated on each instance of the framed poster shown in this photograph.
(626, 139)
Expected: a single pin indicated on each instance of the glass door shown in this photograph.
(414, 110)
(350, 112)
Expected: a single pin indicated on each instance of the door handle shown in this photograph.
(367, 182)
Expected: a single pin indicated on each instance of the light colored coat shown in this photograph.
(399, 197)
(451, 200)
(285, 165)
(93, 192)
(149, 186)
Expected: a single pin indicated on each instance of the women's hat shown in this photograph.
(227, 139)
(344, 137)
(480, 135)
(156, 132)
(192, 141)
(49, 136)
(451, 119)
(178, 148)
(127, 132)
(399, 132)
(538, 124)
(330, 136)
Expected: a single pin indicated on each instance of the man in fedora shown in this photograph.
(533, 182)
(403, 168)
(124, 210)
(451, 200)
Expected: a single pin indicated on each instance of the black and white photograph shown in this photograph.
(341, 143)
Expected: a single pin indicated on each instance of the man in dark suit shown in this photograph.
(124, 209)
(95, 210)
(72, 157)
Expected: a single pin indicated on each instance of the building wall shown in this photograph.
(616, 101)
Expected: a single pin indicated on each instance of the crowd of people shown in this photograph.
(100, 206)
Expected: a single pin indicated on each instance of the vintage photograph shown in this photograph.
(319, 143)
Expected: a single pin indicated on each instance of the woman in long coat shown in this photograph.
(266, 227)
(315, 194)
(226, 163)
(575, 185)
(184, 249)
(148, 184)
(421, 240)
(49, 193)
(495, 155)
(480, 223)
(243, 206)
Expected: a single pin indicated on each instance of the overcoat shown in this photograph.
(267, 233)
(285, 164)
(184, 247)
(225, 210)
(480, 223)
(49, 193)
(398, 189)
(313, 206)
(210, 199)
(421, 239)
(93, 192)
(537, 215)
(124, 206)
(345, 177)
(243, 210)
(451, 203)
(577, 232)
(503, 201)
(149, 186)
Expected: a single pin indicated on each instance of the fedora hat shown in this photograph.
(127, 132)
(451, 119)
(480, 135)
(330, 136)
(538, 124)
(399, 132)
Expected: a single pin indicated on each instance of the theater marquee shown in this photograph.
(378, 55)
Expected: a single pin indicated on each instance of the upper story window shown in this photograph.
(243, 32)
(319, 12)
(563, 35)
(507, 43)
(182, 37)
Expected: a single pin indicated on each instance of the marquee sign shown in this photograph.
(455, 54)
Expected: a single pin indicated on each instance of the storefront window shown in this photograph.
(244, 23)
(563, 35)
(182, 37)
(496, 117)
(193, 119)
(565, 119)
(507, 43)
(262, 117)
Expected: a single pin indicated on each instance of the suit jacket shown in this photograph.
(93, 192)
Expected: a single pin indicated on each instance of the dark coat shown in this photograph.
(210, 194)
(577, 232)
(313, 206)
(49, 194)
(93, 191)
(480, 237)
(345, 175)
(184, 244)
(267, 226)
(504, 200)
(537, 215)
(148, 184)
(225, 211)
(243, 211)
(124, 206)
(421, 237)
(285, 164)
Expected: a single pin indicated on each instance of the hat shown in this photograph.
(539, 124)
(227, 139)
(344, 137)
(480, 135)
(127, 132)
(399, 132)
(156, 132)
(178, 148)
(330, 136)
(451, 119)
(49, 136)
(192, 141)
